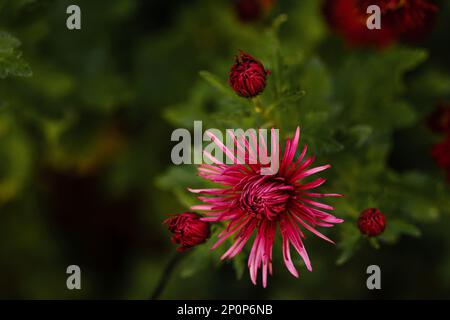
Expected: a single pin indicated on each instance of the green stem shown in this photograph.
(264, 114)
(166, 275)
(257, 104)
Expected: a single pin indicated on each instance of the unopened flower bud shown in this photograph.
(188, 230)
(248, 76)
(371, 222)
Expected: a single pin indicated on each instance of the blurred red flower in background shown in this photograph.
(439, 122)
(407, 19)
(441, 154)
(252, 10)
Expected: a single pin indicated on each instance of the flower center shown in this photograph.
(265, 197)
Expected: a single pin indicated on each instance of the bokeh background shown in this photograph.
(85, 124)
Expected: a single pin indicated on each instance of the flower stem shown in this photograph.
(257, 103)
(165, 277)
(264, 114)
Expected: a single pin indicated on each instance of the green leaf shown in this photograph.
(182, 177)
(214, 81)
(11, 62)
(278, 22)
(358, 135)
(323, 145)
(239, 265)
(349, 244)
(196, 261)
(370, 87)
(16, 158)
(374, 243)
(396, 228)
(200, 257)
(316, 82)
(177, 180)
(403, 227)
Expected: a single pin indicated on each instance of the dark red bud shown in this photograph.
(371, 222)
(248, 76)
(188, 230)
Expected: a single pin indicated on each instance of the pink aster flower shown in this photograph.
(254, 203)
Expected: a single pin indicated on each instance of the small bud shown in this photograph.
(371, 222)
(248, 76)
(188, 230)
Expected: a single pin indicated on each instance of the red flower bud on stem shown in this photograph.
(188, 230)
(371, 222)
(248, 76)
